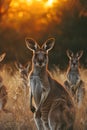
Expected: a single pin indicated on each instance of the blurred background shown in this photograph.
(65, 20)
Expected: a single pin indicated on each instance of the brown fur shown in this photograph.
(54, 106)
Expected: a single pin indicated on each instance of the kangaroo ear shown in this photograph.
(69, 54)
(48, 45)
(27, 66)
(31, 44)
(79, 54)
(19, 66)
(2, 56)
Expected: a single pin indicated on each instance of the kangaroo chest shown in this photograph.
(36, 88)
(73, 77)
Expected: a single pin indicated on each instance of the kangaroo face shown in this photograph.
(40, 54)
(74, 58)
(74, 62)
(24, 70)
(40, 58)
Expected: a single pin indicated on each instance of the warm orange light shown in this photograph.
(14, 4)
(37, 13)
(49, 3)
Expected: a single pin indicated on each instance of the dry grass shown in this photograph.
(20, 117)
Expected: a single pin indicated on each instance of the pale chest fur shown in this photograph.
(73, 77)
(36, 88)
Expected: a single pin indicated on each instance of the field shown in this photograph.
(19, 116)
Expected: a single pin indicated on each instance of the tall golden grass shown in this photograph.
(19, 116)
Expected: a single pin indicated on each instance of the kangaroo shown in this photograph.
(3, 90)
(54, 108)
(24, 71)
(74, 84)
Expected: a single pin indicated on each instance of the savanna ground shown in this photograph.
(19, 116)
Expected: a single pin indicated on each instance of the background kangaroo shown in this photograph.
(3, 90)
(24, 72)
(74, 83)
(24, 88)
(54, 106)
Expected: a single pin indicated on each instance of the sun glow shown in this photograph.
(22, 8)
(36, 13)
(48, 3)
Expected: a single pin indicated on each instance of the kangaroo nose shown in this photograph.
(74, 63)
(40, 62)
